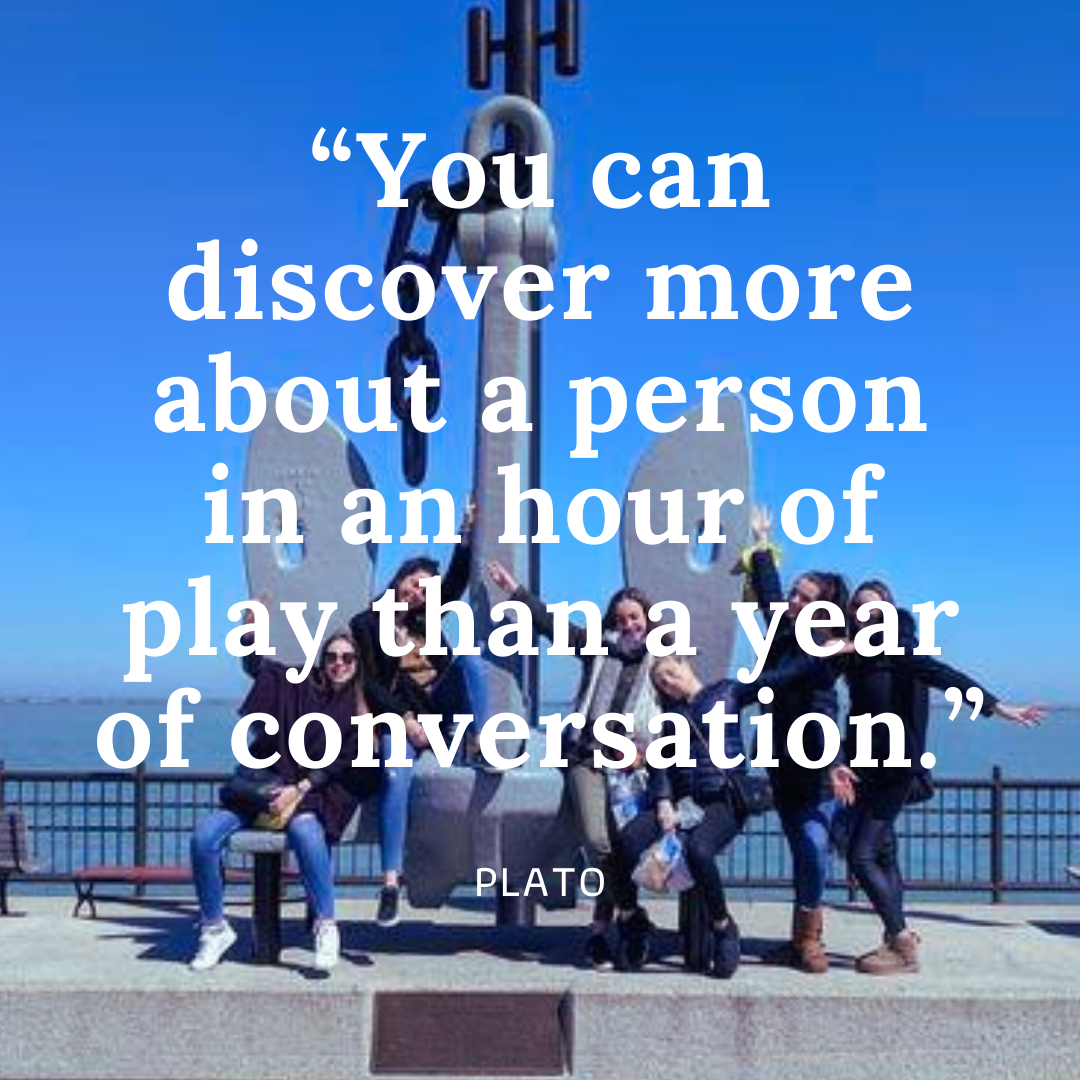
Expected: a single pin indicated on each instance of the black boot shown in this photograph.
(727, 950)
(633, 933)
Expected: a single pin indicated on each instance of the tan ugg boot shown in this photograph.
(896, 955)
(809, 949)
(783, 953)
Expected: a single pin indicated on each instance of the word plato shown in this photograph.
(536, 881)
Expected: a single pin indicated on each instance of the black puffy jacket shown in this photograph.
(705, 781)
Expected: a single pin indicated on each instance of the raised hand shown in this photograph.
(760, 522)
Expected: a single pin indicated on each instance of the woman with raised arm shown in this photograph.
(897, 684)
(806, 798)
(618, 682)
(410, 686)
(317, 804)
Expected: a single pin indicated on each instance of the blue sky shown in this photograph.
(939, 137)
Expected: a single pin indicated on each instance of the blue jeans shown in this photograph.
(394, 807)
(807, 827)
(306, 838)
(460, 689)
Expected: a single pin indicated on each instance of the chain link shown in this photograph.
(411, 347)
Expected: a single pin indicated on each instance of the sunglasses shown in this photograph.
(339, 658)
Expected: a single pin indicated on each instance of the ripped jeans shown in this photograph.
(459, 690)
(305, 837)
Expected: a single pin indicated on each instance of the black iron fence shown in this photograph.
(987, 837)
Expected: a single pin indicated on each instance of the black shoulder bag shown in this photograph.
(751, 792)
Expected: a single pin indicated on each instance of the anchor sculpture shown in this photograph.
(466, 817)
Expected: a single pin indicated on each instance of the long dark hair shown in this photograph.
(411, 566)
(319, 674)
(635, 595)
(873, 585)
(833, 588)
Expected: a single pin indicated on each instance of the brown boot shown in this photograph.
(783, 953)
(898, 954)
(809, 949)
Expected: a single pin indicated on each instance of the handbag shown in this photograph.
(920, 789)
(249, 793)
(752, 792)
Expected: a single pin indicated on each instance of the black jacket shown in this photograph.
(803, 684)
(338, 787)
(900, 685)
(387, 689)
(704, 782)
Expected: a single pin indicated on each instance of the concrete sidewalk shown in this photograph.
(999, 996)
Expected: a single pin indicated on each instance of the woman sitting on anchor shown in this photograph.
(410, 686)
(617, 682)
(315, 805)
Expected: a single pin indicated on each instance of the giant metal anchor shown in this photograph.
(462, 818)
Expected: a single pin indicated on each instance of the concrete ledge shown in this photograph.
(999, 996)
(795, 1038)
(167, 1034)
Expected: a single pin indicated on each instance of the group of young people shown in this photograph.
(621, 813)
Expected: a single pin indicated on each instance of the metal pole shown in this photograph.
(522, 46)
(997, 837)
(140, 822)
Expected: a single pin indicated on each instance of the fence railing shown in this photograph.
(989, 836)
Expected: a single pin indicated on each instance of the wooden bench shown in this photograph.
(15, 856)
(266, 850)
(87, 879)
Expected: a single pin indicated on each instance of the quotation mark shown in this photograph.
(320, 152)
(956, 699)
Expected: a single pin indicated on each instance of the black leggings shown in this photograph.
(872, 847)
(702, 844)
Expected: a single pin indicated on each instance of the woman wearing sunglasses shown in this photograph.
(320, 801)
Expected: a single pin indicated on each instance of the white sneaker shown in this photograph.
(327, 944)
(214, 942)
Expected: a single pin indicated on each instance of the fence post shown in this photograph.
(140, 822)
(997, 835)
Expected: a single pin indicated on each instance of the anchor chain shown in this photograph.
(411, 347)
